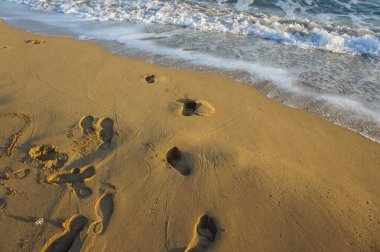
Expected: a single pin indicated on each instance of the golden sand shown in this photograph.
(249, 175)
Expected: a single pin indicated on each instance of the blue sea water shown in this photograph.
(322, 56)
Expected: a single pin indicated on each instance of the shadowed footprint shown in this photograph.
(196, 107)
(48, 155)
(150, 78)
(96, 134)
(81, 191)
(3, 204)
(189, 107)
(63, 241)
(105, 132)
(34, 42)
(204, 234)
(177, 160)
(75, 180)
(103, 209)
(86, 124)
(73, 176)
(4, 175)
(21, 173)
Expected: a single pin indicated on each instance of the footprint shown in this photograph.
(3, 47)
(48, 155)
(73, 176)
(21, 173)
(150, 78)
(103, 209)
(177, 160)
(4, 175)
(75, 180)
(204, 234)
(34, 42)
(97, 134)
(80, 190)
(105, 132)
(13, 126)
(63, 241)
(86, 124)
(3, 204)
(196, 107)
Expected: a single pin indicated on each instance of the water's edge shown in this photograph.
(158, 46)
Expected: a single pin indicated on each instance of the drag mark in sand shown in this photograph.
(63, 241)
(14, 125)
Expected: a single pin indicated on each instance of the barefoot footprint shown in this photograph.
(86, 124)
(177, 160)
(196, 107)
(74, 179)
(97, 133)
(103, 209)
(204, 234)
(105, 132)
(63, 241)
(21, 173)
(48, 155)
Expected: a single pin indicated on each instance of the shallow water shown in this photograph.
(321, 58)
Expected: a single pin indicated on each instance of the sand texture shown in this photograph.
(104, 153)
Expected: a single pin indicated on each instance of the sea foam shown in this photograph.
(195, 15)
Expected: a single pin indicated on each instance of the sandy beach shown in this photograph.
(100, 152)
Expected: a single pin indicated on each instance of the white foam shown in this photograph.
(203, 17)
(286, 77)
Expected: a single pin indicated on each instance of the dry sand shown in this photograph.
(248, 173)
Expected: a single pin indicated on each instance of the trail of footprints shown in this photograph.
(98, 134)
(63, 241)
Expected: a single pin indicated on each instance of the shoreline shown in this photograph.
(346, 107)
(272, 177)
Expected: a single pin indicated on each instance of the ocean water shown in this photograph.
(322, 56)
